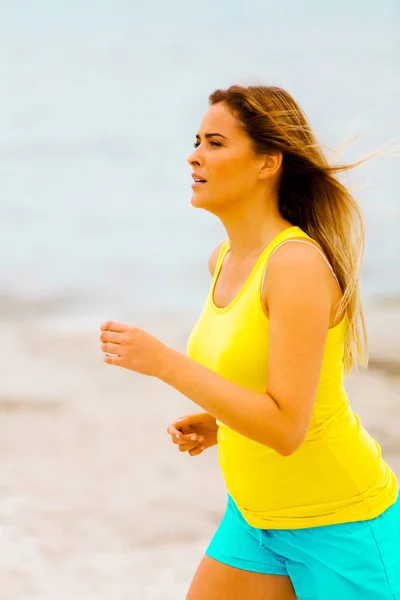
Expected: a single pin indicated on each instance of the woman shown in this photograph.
(312, 507)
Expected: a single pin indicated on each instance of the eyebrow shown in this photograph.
(208, 135)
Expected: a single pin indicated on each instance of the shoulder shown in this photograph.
(212, 261)
(297, 269)
(298, 252)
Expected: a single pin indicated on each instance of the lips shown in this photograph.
(196, 184)
(198, 178)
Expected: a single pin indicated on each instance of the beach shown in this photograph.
(96, 502)
(101, 106)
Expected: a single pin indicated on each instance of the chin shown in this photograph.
(211, 205)
(199, 201)
(203, 199)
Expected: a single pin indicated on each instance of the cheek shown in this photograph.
(235, 175)
(228, 170)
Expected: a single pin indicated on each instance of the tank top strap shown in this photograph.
(294, 233)
(284, 236)
(255, 281)
(257, 275)
(221, 255)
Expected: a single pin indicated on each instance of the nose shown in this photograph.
(194, 157)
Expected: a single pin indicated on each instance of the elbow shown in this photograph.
(290, 432)
(290, 444)
(287, 450)
(288, 435)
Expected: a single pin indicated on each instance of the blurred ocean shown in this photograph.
(100, 105)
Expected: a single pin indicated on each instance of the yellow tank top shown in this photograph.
(337, 475)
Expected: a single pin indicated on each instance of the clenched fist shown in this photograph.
(194, 433)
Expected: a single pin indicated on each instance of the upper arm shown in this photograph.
(298, 292)
(212, 261)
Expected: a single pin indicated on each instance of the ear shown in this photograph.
(270, 165)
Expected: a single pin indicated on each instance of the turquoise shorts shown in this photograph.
(349, 561)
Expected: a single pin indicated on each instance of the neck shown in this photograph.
(251, 228)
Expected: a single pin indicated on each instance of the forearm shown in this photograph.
(255, 415)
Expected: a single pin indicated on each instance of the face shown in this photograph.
(224, 159)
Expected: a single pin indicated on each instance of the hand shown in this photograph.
(133, 348)
(194, 433)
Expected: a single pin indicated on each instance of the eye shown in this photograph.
(212, 143)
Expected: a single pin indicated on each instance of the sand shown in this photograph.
(96, 503)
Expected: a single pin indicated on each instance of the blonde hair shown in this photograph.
(310, 195)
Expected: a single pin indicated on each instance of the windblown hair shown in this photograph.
(310, 195)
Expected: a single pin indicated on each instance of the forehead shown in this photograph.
(218, 119)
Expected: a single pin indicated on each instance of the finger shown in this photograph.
(187, 447)
(113, 360)
(175, 429)
(172, 430)
(185, 439)
(181, 438)
(185, 429)
(112, 348)
(189, 420)
(110, 336)
(180, 425)
(196, 451)
(114, 326)
(183, 421)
